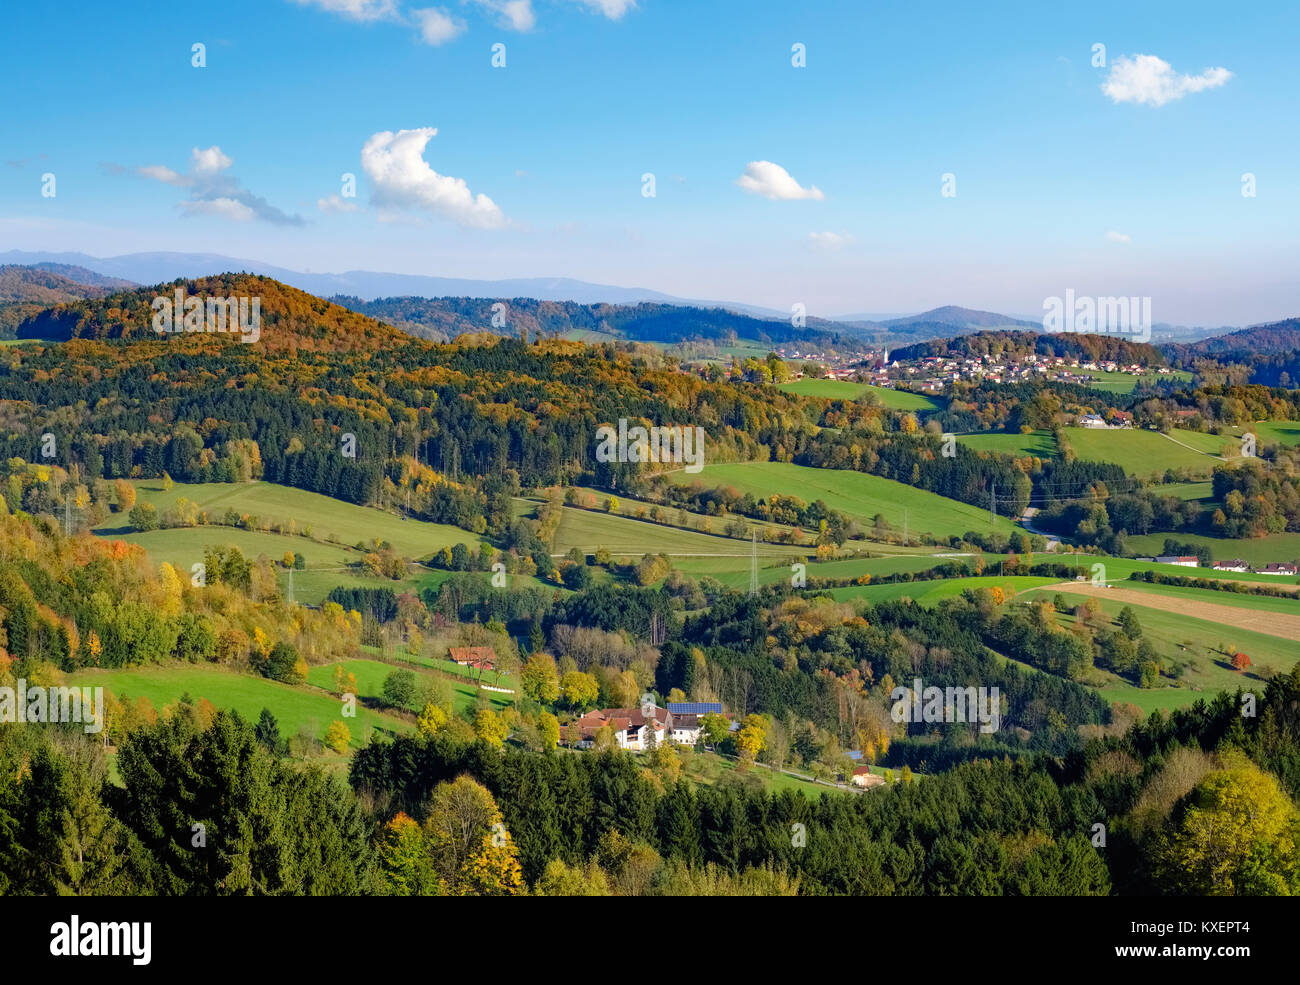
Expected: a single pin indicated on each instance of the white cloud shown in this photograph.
(515, 14)
(830, 240)
(160, 172)
(402, 179)
(212, 192)
(225, 208)
(1115, 237)
(209, 161)
(613, 9)
(1151, 80)
(774, 182)
(356, 10)
(335, 204)
(437, 26)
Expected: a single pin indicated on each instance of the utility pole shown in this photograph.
(904, 526)
(291, 584)
(994, 507)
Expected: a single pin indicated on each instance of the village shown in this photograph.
(933, 373)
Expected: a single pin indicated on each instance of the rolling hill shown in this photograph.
(26, 290)
(857, 494)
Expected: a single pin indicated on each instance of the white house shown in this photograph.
(1235, 565)
(1275, 568)
(1183, 560)
(632, 728)
(687, 715)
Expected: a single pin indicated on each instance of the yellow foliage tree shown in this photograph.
(338, 737)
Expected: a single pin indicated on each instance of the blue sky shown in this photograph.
(1059, 183)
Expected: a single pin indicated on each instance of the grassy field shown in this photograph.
(710, 768)
(327, 564)
(695, 522)
(1126, 382)
(737, 576)
(1257, 550)
(1118, 569)
(1144, 453)
(1037, 443)
(931, 592)
(625, 537)
(1276, 432)
(1260, 603)
(1198, 643)
(857, 494)
(326, 518)
(371, 674)
(1200, 491)
(847, 390)
(293, 707)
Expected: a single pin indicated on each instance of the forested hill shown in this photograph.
(1242, 346)
(1092, 347)
(291, 320)
(1264, 354)
(442, 319)
(26, 290)
(126, 398)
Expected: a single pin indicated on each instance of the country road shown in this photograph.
(1026, 521)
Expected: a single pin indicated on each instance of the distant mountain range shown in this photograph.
(363, 287)
(158, 268)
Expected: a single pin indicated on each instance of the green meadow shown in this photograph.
(857, 494)
(326, 518)
(1145, 453)
(293, 707)
(329, 553)
(1196, 643)
(848, 390)
(1113, 382)
(1040, 444)
(371, 674)
(932, 592)
(1256, 550)
(623, 536)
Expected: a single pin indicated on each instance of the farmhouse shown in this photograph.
(1183, 560)
(686, 715)
(1237, 564)
(632, 728)
(1277, 568)
(474, 657)
(1120, 418)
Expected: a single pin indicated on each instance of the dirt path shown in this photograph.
(1280, 624)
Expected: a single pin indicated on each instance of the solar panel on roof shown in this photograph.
(695, 707)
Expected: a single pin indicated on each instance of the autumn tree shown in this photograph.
(540, 680)
(471, 849)
(405, 861)
(338, 737)
(1237, 833)
(125, 494)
